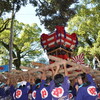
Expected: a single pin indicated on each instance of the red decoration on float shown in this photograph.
(60, 37)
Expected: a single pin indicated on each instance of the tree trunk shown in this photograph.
(11, 41)
(17, 62)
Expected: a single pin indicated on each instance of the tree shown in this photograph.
(11, 6)
(7, 6)
(54, 12)
(25, 44)
(86, 23)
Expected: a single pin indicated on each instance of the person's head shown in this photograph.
(20, 86)
(58, 79)
(48, 79)
(37, 83)
(81, 78)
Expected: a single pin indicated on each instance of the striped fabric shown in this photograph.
(79, 59)
(59, 38)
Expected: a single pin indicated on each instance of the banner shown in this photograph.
(79, 59)
(4, 68)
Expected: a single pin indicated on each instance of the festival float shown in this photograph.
(60, 46)
(60, 43)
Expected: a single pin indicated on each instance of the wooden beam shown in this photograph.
(59, 49)
(69, 62)
(23, 67)
(16, 70)
(38, 64)
(58, 61)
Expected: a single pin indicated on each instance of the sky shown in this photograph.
(27, 15)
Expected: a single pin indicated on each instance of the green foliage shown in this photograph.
(86, 23)
(3, 55)
(26, 41)
(9, 5)
(4, 24)
(5, 6)
(54, 12)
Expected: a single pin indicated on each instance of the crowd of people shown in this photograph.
(57, 87)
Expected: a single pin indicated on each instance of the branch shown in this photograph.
(4, 26)
(16, 47)
(7, 47)
(41, 2)
(26, 53)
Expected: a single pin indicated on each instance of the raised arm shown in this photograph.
(87, 71)
(65, 70)
(57, 70)
(43, 74)
(66, 80)
(52, 69)
(29, 76)
(8, 81)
